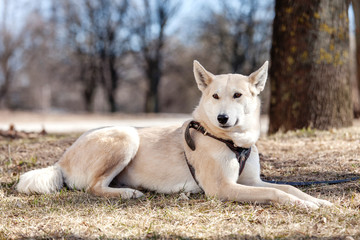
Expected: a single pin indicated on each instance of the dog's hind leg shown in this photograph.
(97, 157)
(101, 188)
(100, 184)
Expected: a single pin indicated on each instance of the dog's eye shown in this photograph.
(215, 96)
(237, 95)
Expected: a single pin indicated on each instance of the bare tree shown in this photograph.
(236, 36)
(108, 20)
(10, 50)
(97, 35)
(152, 20)
(77, 46)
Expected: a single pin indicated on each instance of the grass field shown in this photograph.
(295, 156)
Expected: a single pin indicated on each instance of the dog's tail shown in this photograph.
(45, 180)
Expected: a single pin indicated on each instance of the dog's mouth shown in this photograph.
(226, 126)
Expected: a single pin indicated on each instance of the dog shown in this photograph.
(215, 152)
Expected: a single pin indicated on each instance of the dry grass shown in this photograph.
(302, 155)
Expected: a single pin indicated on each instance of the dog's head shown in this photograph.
(228, 98)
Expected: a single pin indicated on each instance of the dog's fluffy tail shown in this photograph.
(45, 180)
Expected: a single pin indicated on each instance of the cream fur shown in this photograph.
(46, 180)
(115, 161)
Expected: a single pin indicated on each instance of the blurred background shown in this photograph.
(134, 56)
(116, 55)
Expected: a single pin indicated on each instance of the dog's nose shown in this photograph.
(222, 118)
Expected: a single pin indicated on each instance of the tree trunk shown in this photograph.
(356, 8)
(153, 73)
(4, 88)
(114, 80)
(5, 69)
(152, 102)
(112, 102)
(109, 79)
(309, 72)
(88, 96)
(88, 76)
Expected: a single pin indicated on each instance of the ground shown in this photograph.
(295, 156)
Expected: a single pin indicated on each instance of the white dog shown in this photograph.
(208, 153)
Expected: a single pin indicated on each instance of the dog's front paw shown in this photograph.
(290, 199)
(313, 204)
(321, 202)
(310, 205)
(305, 204)
(245, 140)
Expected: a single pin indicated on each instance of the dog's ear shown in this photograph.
(203, 78)
(258, 79)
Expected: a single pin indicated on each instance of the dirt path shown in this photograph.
(67, 122)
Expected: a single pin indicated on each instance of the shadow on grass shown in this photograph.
(328, 178)
(155, 235)
(336, 189)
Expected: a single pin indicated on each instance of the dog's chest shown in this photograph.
(224, 160)
(229, 164)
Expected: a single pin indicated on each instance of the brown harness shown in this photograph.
(242, 154)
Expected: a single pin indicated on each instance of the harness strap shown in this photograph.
(242, 154)
(192, 171)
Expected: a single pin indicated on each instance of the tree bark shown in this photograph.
(309, 73)
(356, 8)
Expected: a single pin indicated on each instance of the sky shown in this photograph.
(351, 19)
(191, 12)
